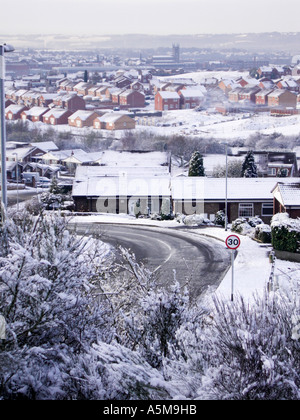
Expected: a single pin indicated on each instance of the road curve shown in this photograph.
(194, 259)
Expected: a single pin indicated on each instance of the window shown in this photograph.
(267, 209)
(246, 210)
(272, 171)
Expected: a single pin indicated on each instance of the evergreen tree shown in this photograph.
(196, 165)
(249, 168)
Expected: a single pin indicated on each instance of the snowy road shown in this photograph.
(201, 262)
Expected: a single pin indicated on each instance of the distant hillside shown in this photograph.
(275, 41)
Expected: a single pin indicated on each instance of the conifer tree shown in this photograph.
(249, 168)
(196, 165)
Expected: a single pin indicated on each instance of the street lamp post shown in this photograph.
(4, 48)
(17, 176)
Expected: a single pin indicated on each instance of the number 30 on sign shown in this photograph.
(233, 242)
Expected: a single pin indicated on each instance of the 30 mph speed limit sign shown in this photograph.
(233, 242)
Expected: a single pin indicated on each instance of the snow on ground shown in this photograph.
(251, 269)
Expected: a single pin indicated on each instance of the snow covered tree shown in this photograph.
(249, 168)
(196, 167)
(47, 301)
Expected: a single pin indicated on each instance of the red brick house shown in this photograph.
(34, 114)
(287, 199)
(82, 119)
(261, 98)
(115, 95)
(137, 86)
(166, 101)
(13, 112)
(56, 116)
(190, 98)
(71, 102)
(82, 88)
(46, 99)
(132, 98)
(282, 98)
(249, 93)
(122, 82)
(112, 121)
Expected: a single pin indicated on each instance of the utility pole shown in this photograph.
(3, 49)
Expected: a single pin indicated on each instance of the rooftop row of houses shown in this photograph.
(265, 92)
(105, 120)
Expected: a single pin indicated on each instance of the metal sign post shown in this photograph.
(232, 242)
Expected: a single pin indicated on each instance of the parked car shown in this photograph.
(44, 182)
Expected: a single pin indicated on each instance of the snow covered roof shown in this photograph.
(14, 108)
(36, 111)
(288, 194)
(123, 187)
(168, 95)
(213, 189)
(191, 93)
(55, 112)
(45, 146)
(83, 115)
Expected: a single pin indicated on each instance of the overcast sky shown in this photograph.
(158, 17)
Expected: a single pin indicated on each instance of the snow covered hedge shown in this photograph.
(253, 227)
(285, 233)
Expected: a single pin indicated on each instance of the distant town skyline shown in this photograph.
(157, 17)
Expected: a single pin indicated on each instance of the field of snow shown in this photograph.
(221, 127)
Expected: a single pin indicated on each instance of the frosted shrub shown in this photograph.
(285, 233)
(251, 352)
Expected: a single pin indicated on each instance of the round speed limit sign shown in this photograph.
(233, 242)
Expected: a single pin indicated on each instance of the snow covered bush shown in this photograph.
(263, 233)
(251, 353)
(252, 227)
(220, 218)
(285, 233)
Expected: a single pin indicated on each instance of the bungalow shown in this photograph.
(79, 157)
(49, 171)
(12, 172)
(56, 116)
(121, 194)
(23, 154)
(82, 119)
(287, 198)
(34, 114)
(112, 121)
(166, 101)
(247, 197)
(13, 112)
